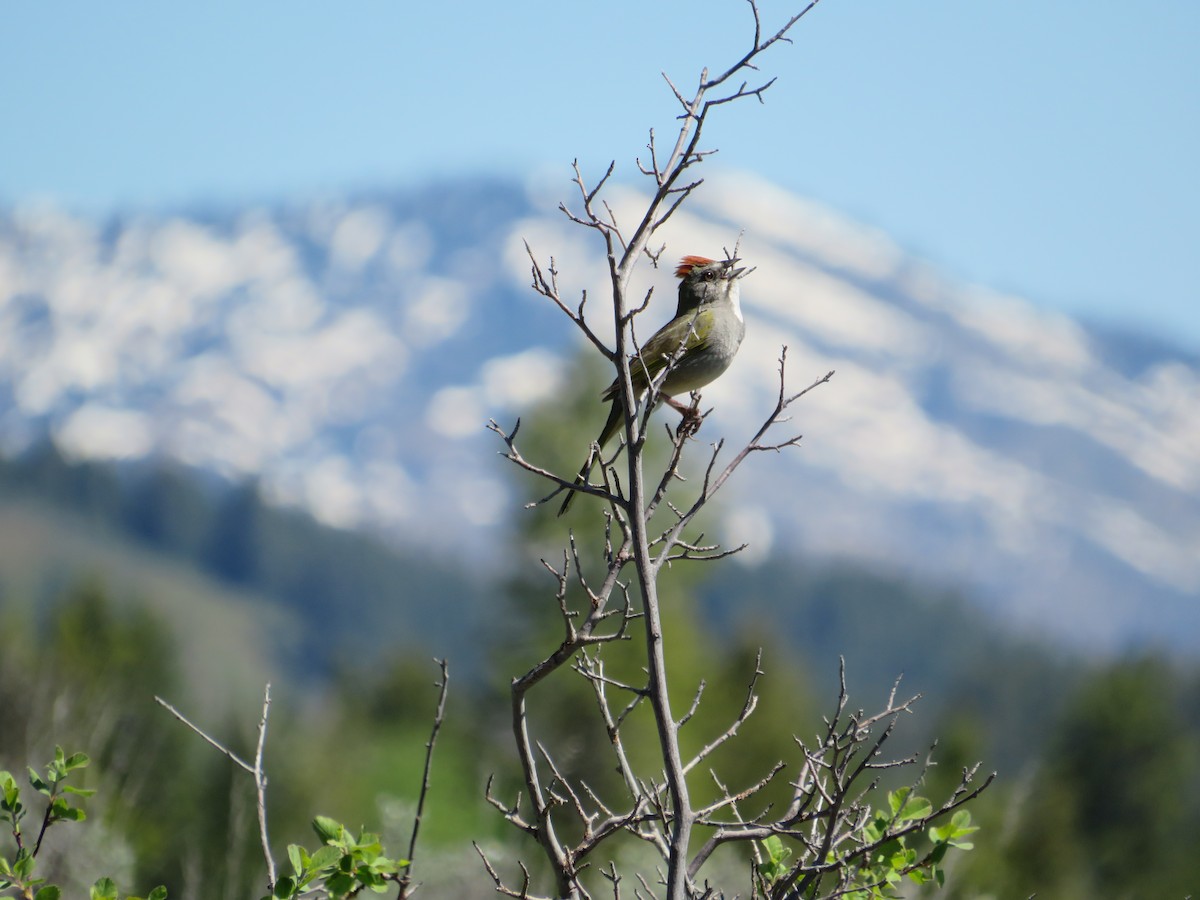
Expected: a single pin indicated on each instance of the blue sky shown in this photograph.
(1046, 148)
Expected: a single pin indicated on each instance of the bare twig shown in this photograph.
(257, 771)
(200, 731)
(260, 785)
(747, 710)
(406, 882)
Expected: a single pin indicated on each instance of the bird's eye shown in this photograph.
(710, 275)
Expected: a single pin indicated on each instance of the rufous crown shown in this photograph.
(690, 262)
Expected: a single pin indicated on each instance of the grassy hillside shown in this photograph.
(227, 641)
(345, 596)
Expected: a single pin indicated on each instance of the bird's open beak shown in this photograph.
(731, 273)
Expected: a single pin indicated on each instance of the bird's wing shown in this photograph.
(664, 344)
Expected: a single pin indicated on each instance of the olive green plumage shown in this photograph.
(703, 338)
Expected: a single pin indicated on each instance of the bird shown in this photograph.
(701, 339)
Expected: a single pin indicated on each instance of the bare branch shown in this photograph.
(257, 771)
(207, 737)
(748, 707)
(501, 887)
(260, 786)
(548, 288)
(514, 455)
(406, 882)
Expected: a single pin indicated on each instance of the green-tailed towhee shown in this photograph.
(702, 340)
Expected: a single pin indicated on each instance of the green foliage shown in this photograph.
(895, 854)
(90, 674)
(353, 752)
(1133, 776)
(899, 843)
(775, 865)
(343, 865)
(96, 644)
(359, 759)
(958, 658)
(105, 889)
(17, 870)
(1102, 811)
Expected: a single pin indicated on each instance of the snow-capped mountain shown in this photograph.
(349, 351)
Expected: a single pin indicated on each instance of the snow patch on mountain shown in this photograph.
(349, 351)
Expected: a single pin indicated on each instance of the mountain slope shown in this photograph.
(246, 587)
(228, 642)
(347, 352)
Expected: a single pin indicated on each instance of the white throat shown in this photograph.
(735, 300)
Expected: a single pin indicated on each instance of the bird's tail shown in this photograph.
(581, 478)
(616, 417)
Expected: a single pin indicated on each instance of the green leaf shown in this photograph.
(328, 830)
(388, 866)
(104, 889)
(23, 865)
(324, 858)
(368, 845)
(919, 876)
(76, 761)
(771, 870)
(36, 780)
(775, 848)
(159, 893)
(68, 813)
(285, 888)
(916, 808)
(49, 892)
(339, 884)
(298, 857)
(960, 826)
(367, 878)
(890, 848)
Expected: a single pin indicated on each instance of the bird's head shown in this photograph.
(704, 280)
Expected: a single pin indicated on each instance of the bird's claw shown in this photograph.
(691, 419)
(689, 425)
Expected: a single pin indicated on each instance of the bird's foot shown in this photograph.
(692, 417)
